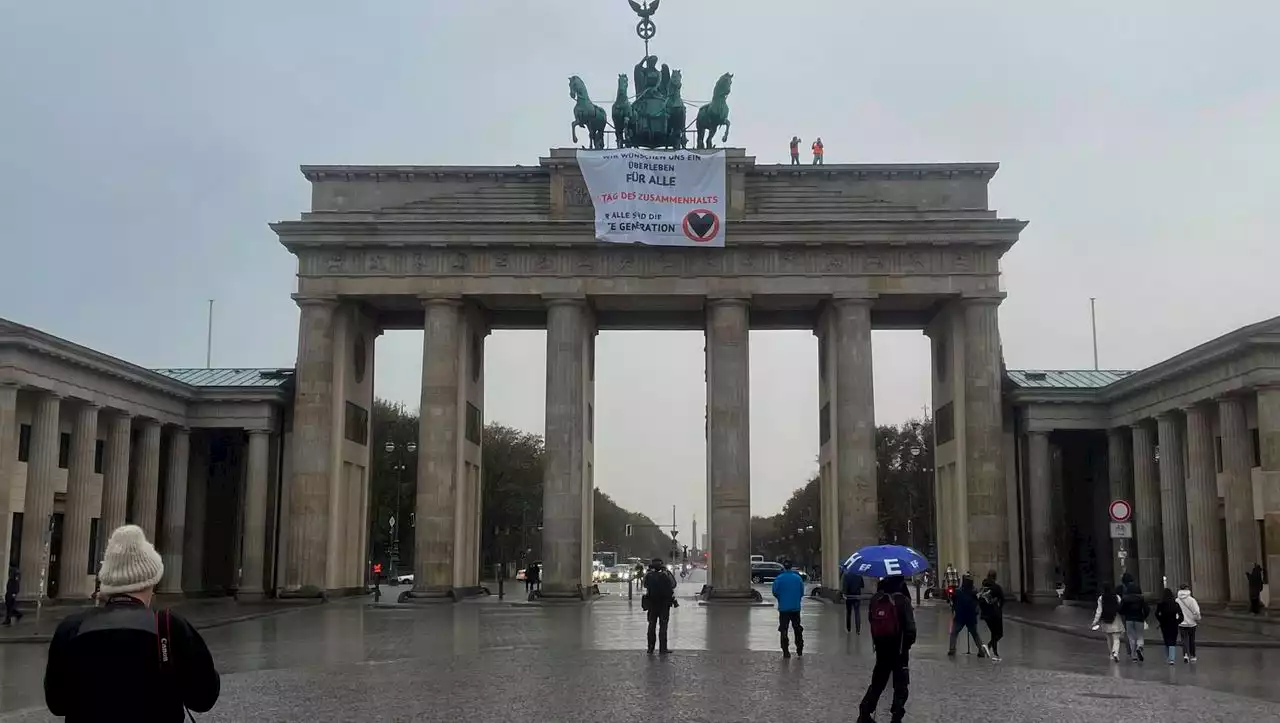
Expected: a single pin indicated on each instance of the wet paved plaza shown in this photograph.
(491, 661)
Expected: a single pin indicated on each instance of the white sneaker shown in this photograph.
(986, 651)
(1186, 658)
(1193, 659)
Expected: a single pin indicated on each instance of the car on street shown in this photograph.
(406, 579)
(762, 572)
(617, 573)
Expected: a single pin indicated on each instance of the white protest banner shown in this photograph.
(659, 198)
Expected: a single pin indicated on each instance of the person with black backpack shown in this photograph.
(893, 632)
(124, 660)
(659, 597)
(991, 607)
(851, 587)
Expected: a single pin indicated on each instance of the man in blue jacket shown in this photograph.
(788, 588)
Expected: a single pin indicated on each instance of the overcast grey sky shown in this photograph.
(146, 145)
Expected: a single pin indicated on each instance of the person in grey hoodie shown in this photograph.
(1190, 620)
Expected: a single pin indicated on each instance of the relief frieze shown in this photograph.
(690, 262)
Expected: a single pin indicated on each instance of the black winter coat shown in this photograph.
(105, 664)
(965, 605)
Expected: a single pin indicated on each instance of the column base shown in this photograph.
(250, 595)
(583, 593)
(718, 596)
(306, 592)
(830, 594)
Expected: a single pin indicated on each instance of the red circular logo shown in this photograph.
(701, 225)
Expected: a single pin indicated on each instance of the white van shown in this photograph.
(757, 558)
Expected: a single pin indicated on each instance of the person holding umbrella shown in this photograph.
(891, 621)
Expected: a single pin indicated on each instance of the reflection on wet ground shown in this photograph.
(490, 660)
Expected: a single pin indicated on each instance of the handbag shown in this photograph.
(644, 601)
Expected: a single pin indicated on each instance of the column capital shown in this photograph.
(303, 300)
(123, 415)
(982, 300)
(854, 299)
(565, 300)
(1166, 415)
(179, 428)
(252, 431)
(1193, 407)
(86, 404)
(440, 300)
(728, 300)
(50, 394)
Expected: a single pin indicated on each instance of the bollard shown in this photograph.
(631, 586)
(498, 568)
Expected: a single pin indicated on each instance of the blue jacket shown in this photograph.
(789, 589)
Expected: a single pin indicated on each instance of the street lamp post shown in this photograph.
(397, 465)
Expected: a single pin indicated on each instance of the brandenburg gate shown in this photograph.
(458, 251)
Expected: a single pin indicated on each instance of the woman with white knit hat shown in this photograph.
(124, 660)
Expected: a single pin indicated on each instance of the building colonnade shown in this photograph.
(1197, 478)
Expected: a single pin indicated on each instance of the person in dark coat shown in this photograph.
(123, 660)
(1256, 580)
(1134, 611)
(851, 588)
(1169, 616)
(532, 577)
(892, 642)
(659, 598)
(991, 606)
(965, 616)
(11, 589)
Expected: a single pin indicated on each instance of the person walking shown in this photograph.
(11, 589)
(851, 587)
(1169, 617)
(991, 607)
(532, 577)
(124, 660)
(1190, 621)
(1134, 610)
(659, 597)
(1107, 617)
(1256, 580)
(788, 589)
(817, 152)
(964, 607)
(795, 150)
(893, 632)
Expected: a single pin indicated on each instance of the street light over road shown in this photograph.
(398, 466)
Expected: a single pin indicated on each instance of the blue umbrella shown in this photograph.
(886, 560)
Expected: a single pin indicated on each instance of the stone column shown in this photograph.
(1269, 450)
(729, 445)
(1204, 542)
(174, 523)
(855, 425)
(1173, 503)
(146, 493)
(115, 475)
(197, 493)
(1120, 478)
(986, 502)
(438, 446)
(255, 516)
(1040, 493)
(8, 460)
(564, 507)
(74, 556)
(312, 442)
(42, 466)
(1146, 509)
(1243, 549)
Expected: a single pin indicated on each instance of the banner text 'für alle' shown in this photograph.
(662, 198)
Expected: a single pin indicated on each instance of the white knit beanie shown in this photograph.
(131, 563)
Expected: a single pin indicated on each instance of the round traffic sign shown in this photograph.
(1120, 511)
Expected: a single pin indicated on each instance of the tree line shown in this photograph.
(510, 498)
(904, 501)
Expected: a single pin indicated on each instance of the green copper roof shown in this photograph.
(1064, 379)
(229, 377)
